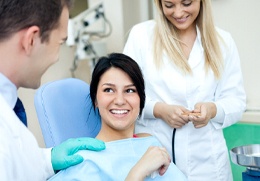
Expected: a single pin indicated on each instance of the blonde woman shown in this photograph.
(194, 85)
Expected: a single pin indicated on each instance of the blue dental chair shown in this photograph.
(65, 110)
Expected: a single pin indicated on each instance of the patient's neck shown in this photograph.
(108, 135)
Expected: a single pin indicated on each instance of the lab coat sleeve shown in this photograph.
(46, 152)
(230, 97)
(20, 156)
(135, 48)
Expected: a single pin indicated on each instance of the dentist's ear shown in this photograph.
(30, 39)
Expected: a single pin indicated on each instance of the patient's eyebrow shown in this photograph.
(109, 84)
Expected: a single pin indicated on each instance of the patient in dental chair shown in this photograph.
(117, 90)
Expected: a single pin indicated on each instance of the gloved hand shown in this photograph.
(62, 156)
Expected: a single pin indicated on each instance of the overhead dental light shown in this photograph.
(86, 27)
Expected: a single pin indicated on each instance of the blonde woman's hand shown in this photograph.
(207, 111)
(155, 159)
(171, 114)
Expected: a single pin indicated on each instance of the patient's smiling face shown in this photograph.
(118, 102)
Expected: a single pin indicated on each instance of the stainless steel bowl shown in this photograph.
(248, 156)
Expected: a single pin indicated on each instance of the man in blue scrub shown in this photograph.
(31, 32)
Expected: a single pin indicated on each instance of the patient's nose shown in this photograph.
(119, 99)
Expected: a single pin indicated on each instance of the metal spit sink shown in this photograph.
(247, 156)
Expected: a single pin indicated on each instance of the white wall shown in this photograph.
(240, 17)
(123, 14)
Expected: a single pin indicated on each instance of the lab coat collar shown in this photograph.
(8, 90)
(197, 52)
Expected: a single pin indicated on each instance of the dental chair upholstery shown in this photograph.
(65, 110)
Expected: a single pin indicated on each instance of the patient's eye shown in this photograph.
(131, 90)
(108, 90)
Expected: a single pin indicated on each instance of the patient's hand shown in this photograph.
(154, 159)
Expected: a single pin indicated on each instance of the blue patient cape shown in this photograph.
(115, 162)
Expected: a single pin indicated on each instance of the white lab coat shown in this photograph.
(200, 153)
(21, 159)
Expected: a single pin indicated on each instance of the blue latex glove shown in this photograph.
(62, 156)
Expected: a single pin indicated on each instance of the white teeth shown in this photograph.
(119, 111)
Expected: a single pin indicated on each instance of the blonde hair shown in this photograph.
(166, 40)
